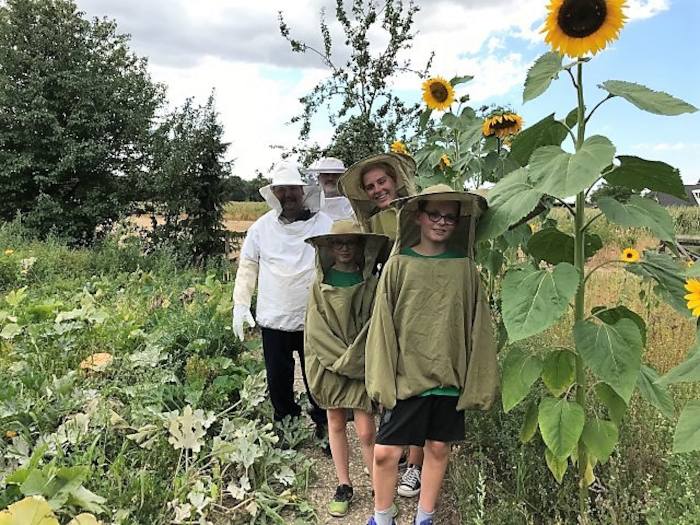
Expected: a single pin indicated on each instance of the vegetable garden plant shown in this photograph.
(533, 172)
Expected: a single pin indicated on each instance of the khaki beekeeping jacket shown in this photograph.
(371, 218)
(337, 320)
(431, 324)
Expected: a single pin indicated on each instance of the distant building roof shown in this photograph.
(691, 190)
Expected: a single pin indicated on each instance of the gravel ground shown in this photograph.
(324, 482)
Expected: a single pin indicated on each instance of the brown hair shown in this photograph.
(384, 166)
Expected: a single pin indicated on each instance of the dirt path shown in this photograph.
(324, 482)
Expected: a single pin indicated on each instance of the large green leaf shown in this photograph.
(686, 372)
(647, 99)
(509, 201)
(600, 437)
(533, 300)
(556, 466)
(613, 315)
(545, 69)
(639, 212)
(561, 423)
(653, 392)
(613, 352)
(562, 174)
(687, 436)
(615, 404)
(640, 174)
(554, 246)
(520, 370)
(558, 371)
(529, 427)
(546, 132)
(668, 276)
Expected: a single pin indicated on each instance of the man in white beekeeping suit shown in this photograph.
(328, 170)
(274, 253)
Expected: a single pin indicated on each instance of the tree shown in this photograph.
(75, 111)
(357, 93)
(620, 193)
(186, 181)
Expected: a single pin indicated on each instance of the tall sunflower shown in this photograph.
(502, 124)
(693, 298)
(438, 93)
(578, 27)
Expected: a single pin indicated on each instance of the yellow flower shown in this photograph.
(578, 27)
(445, 161)
(438, 93)
(10, 434)
(690, 264)
(399, 147)
(629, 255)
(693, 298)
(97, 362)
(9, 251)
(502, 125)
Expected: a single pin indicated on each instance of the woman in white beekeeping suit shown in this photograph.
(274, 253)
(328, 170)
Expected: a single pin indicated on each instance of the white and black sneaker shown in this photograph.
(409, 486)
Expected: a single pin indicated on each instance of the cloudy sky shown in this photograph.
(234, 47)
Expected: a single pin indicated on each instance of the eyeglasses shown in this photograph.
(339, 243)
(435, 217)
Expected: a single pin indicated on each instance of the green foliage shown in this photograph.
(637, 174)
(653, 392)
(509, 201)
(520, 370)
(619, 193)
(687, 436)
(647, 99)
(185, 184)
(559, 371)
(554, 246)
(175, 426)
(612, 351)
(561, 423)
(640, 212)
(234, 188)
(75, 111)
(600, 437)
(561, 174)
(533, 300)
(357, 93)
(546, 132)
(545, 69)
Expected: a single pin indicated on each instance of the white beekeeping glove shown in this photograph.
(241, 315)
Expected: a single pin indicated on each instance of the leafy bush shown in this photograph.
(121, 376)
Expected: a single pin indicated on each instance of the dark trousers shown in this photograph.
(278, 349)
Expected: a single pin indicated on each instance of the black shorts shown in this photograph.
(417, 419)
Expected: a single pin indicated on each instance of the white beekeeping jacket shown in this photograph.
(286, 263)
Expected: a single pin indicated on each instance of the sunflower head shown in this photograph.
(578, 27)
(399, 147)
(693, 298)
(438, 93)
(502, 124)
(445, 161)
(629, 255)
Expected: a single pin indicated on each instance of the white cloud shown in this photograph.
(641, 9)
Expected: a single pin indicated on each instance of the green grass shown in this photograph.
(244, 211)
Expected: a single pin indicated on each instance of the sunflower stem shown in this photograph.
(580, 300)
